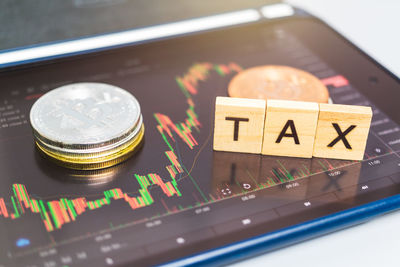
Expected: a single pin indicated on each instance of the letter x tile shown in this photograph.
(342, 131)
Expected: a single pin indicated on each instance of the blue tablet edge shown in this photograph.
(290, 235)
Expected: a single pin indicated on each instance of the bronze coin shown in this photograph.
(278, 82)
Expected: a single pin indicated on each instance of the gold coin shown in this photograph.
(99, 161)
(278, 82)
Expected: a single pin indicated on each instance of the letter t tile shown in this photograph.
(239, 124)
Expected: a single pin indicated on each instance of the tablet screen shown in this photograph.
(176, 196)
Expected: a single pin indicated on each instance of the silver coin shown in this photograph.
(91, 151)
(85, 115)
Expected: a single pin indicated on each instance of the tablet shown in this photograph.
(176, 201)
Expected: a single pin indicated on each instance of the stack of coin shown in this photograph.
(87, 126)
(278, 82)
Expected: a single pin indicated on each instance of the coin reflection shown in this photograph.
(87, 177)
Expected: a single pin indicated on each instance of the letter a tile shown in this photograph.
(342, 131)
(239, 124)
(289, 128)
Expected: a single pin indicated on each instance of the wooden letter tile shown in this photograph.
(289, 128)
(239, 124)
(342, 131)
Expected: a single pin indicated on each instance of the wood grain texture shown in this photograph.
(289, 128)
(336, 121)
(239, 124)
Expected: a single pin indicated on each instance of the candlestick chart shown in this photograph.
(58, 212)
(55, 213)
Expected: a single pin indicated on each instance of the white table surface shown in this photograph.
(374, 27)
